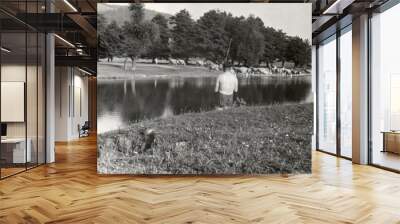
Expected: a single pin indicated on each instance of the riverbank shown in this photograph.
(243, 140)
(107, 71)
(146, 71)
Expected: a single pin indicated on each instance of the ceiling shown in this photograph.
(331, 15)
(75, 21)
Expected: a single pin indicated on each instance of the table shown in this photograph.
(13, 150)
(391, 141)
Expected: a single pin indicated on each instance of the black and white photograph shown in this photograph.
(204, 88)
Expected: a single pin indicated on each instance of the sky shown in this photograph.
(292, 18)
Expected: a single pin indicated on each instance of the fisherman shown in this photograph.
(226, 86)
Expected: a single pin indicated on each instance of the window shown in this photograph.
(385, 89)
(327, 95)
(22, 87)
(346, 92)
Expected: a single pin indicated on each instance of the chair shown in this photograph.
(84, 130)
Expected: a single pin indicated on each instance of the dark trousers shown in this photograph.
(225, 100)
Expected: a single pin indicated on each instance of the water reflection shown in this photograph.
(121, 102)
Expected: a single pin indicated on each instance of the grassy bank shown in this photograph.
(243, 140)
(114, 70)
(151, 71)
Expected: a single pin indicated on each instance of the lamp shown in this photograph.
(84, 71)
(70, 5)
(64, 40)
(5, 50)
(337, 7)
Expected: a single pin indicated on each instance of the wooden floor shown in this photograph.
(5, 172)
(387, 159)
(70, 191)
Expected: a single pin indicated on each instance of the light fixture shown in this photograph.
(70, 5)
(64, 40)
(86, 72)
(337, 7)
(5, 50)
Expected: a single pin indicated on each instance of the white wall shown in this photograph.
(17, 73)
(33, 125)
(62, 81)
(12, 73)
(70, 84)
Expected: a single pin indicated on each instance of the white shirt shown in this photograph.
(227, 83)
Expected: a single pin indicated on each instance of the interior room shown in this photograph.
(71, 102)
(385, 106)
(49, 112)
(22, 100)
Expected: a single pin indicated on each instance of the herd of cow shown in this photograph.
(209, 64)
(240, 70)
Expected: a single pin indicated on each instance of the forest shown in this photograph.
(217, 36)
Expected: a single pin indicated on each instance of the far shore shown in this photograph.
(115, 71)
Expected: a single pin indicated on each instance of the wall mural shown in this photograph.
(204, 88)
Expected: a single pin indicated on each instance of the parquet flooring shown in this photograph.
(70, 191)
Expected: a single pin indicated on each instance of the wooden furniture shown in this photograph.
(391, 141)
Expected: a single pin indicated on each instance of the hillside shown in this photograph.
(120, 13)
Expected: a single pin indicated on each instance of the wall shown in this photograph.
(71, 102)
(12, 73)
(15, 72)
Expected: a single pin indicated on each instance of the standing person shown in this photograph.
(226, 86)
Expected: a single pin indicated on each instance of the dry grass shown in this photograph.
(243, 140)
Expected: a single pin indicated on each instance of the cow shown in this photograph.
(241, 70)
(295, 72)
(286, 71)
(275, 70)
(199, 63)
(265, 71)
(181, 62)
(261, 71)
(212, 66)
(244, 71)
(172, 61)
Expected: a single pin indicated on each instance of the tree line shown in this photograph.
(216, 36)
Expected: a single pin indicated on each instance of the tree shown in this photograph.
(250, 43)
(137, 12)
(270, 49)
(213, 38)
(280, 42)
(138, 35)
(160, 48)
(251, 48)
(102, 45)
(298, 51)
(235, 28)
(112, 38)
(183, 35)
